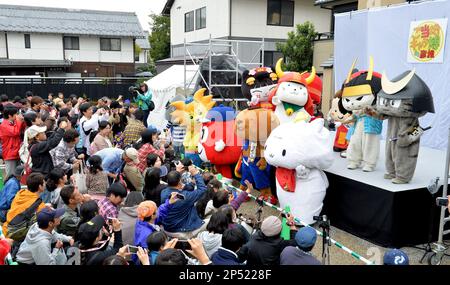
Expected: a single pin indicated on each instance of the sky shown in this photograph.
(141, 7)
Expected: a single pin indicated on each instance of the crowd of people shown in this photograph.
(95, 177)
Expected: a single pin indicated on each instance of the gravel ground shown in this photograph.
(338, 256)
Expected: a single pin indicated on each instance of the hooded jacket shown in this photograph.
(128, 216)
(10, 138)
(23, 200)
(10, 189)
(36, 249)
(211, 242)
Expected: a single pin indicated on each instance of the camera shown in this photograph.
(183, 245)
(133, 89)
(442, 202)
(320, 218)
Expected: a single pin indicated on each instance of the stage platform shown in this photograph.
(373, 208)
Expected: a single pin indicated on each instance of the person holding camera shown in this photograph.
(134, 128)
(300, 254)
(143, 97)
(183, 221)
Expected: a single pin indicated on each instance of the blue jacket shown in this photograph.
(143, 229)
(371, 125)
(225, 256)
(183, 216)
(10, 190)
(112, 161)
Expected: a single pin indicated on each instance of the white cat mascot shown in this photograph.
(300, 151)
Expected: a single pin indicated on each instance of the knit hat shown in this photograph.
(4, 250)
(395, 257)
(33, 131)
(271, 226)
(146, 209)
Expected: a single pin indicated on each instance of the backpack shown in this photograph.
(19, 226)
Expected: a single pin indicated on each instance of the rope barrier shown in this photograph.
(336, 243)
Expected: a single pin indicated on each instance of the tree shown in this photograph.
(298, 49)
(159, 37)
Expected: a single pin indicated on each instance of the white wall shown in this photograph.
(249, 19)
(90, 51)
(143, 56)
(3, 52)
(217, 20)
(43, 46)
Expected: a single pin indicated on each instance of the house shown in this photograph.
(142, 50)
(67, 42)
(194, 21)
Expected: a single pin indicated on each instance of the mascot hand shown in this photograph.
(262, 164)
(219, 146)
(412, 136)
(302, 171)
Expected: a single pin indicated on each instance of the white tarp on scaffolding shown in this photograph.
(383, 33)
(164, 87)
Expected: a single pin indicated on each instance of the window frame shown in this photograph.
(110, 44)
(71, 42)
(291, 2)
(27, 39)
(191, 16)
(199, 24)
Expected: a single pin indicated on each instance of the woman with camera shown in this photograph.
(144, 100)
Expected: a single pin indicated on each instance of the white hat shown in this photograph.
(33, 131)
(132, 154)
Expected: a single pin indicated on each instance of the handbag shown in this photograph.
(27, 169)
(19, 226)
(80, 179)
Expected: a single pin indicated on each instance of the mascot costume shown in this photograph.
(191, 116)
(402, 102)
(219, 144)
(254, 126)
(291, 97)
(340, 118)
(257, 84)
(300, 151)
(359, 94)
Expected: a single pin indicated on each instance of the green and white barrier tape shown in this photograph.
(336, 243)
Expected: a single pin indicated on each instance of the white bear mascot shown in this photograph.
(300, 151)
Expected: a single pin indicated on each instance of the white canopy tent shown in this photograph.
(164, 87)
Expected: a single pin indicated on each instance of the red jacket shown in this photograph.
(10, 138)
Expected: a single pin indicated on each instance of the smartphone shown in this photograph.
(132, 249)
(180, 196)
(442, 202)
(183, 245)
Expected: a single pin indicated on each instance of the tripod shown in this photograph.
(324, 224)
(258, 222)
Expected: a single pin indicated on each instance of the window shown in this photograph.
(200, 18)
(27, 40)
(136, 56)
(107, 44)
(189, 22)
(271, 57)
(72, 43)
(280, 13)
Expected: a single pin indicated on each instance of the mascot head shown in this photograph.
(360, 88)
(292, 90)
(255, 124)
(257, 84)
(218, 142)
(299, 143)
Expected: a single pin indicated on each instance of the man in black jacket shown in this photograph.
(40, 146)
(265, 246)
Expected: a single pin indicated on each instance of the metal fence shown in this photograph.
(92, 87)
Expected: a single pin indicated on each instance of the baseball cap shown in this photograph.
(33, 131)
(271, 226)
(89, 231)
(306, 237)
(132, 154)
(47, 215)
(18, 171)
(395, 257)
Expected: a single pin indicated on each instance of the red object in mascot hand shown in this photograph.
(219, 143)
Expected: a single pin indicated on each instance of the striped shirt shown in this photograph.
(178, 134)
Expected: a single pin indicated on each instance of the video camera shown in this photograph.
(133, 89)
